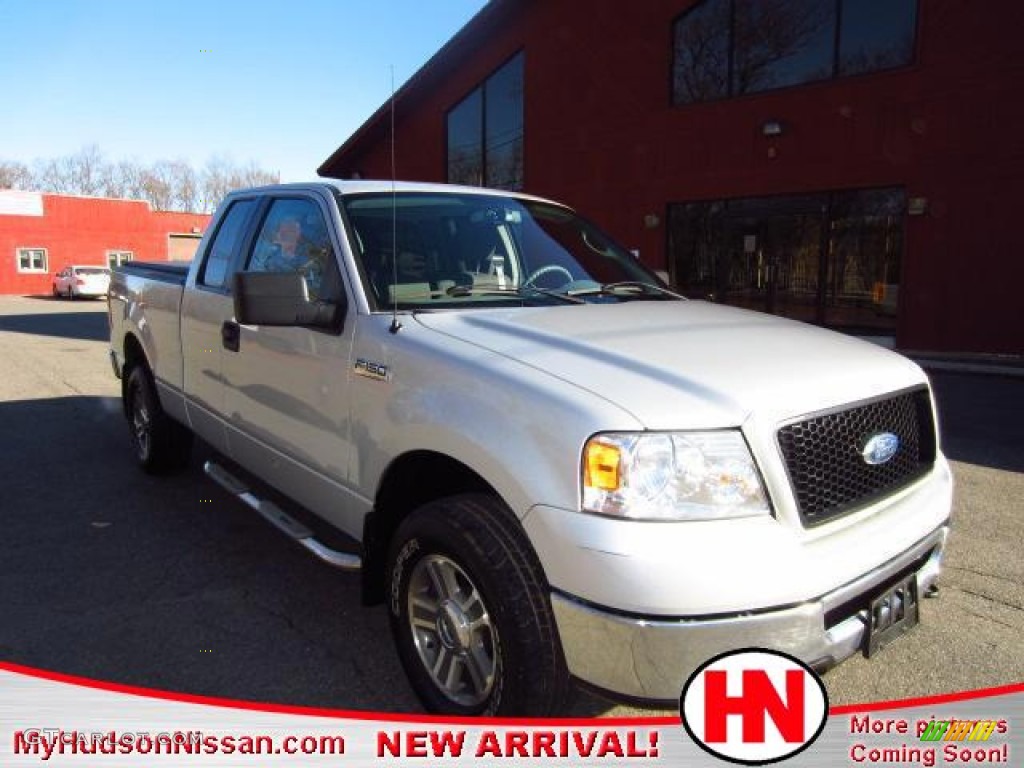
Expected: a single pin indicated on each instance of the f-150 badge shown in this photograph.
(371, 370)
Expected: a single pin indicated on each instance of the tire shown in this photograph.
(160, 444)
(470, 612)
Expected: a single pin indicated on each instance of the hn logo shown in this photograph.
(754, 706)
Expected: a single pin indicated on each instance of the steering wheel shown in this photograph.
(544, 270)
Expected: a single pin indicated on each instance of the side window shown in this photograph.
(294, 238)
(218, 260)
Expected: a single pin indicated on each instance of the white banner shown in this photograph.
(52, 720)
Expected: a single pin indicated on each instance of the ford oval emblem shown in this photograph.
(880, 448)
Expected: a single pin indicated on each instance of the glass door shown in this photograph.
(778, 243)
(829, 258)
(864, 259)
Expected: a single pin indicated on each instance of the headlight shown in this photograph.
(672, 476)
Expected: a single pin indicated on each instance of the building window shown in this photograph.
(830, 258)
(875, 34)
(117, 258)
(32, 260)
(485, 131)
(465, 141)
(728, 48)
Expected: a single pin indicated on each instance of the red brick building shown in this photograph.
(855, 163)
(40, 234)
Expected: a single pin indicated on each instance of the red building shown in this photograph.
(41, 234)
(855, 163)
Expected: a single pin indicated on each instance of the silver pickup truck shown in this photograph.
(545, 462)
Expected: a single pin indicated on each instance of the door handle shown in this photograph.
(230, 335)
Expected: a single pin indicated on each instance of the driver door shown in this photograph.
(287, 388)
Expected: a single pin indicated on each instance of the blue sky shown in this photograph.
(281, 84)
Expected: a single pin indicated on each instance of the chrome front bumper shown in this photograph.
(651, 658)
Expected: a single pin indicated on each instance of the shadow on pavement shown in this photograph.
(981, 419)
(169, 583)
(88, 326)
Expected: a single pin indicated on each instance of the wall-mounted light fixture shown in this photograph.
(651, 220)
(772, 128)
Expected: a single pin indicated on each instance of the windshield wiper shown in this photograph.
(527, 291)
(628, 289)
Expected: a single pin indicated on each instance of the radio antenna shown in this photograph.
(395, 325)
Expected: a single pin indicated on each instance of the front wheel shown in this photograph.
(160, 443)
(470, 612)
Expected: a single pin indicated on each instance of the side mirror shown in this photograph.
(282, 298)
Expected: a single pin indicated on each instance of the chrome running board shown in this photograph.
(281, 520)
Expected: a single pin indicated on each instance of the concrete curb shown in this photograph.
(956, 366)
(994, 365)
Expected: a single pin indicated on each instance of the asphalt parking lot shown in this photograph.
(169, 583)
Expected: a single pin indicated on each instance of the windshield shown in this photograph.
(92, 271)
(420, 250)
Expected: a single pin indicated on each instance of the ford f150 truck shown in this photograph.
(546, 463)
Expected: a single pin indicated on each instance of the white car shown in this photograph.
(81, 280)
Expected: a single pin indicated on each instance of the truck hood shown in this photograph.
(686, 365)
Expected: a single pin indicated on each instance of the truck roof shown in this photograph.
(362, 186)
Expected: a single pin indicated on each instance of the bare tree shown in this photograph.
(128, 175)
(158, 185)
(85, 170)
(701, 69)
(770, 32)
(51, 176)
(770, 41)
(110, 184)
(167, 185)
(220, 176)
(77, 174)
(185, 185)
(215, 182)
(254, 176)
(14, 175)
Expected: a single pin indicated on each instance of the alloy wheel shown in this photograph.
(452, 630)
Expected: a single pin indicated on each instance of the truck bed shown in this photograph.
(149, 294)
(163, 271)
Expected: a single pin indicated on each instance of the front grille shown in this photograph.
(823, 454)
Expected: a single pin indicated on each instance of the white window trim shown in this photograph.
(30, 271)
(120, 253)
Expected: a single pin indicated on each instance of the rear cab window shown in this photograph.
(215, 270)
